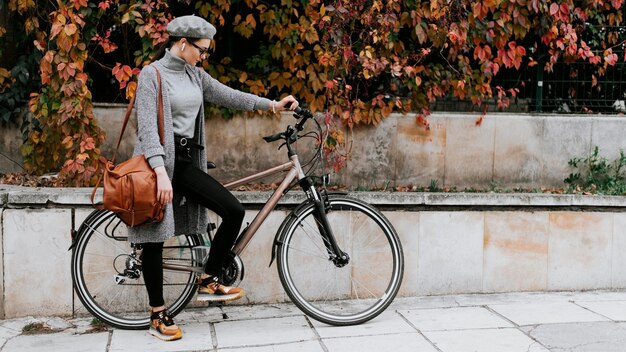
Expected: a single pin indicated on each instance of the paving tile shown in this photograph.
(598, 296)
(454, 319)
(387, 323)
(262, 332)
(306, 346)
(234, 311)
(410, 342)
(546, 313)
(195, 337)
(406, 303)
(58, 342)
(13, 327)
(484, 340)
(615, 310)
(513, 297)
(580, 337)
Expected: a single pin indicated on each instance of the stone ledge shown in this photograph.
(17, 196)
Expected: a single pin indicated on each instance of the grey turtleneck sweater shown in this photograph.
(185, 99)
(185, 96)
(180, 216)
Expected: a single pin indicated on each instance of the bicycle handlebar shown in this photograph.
(291, 134)
(274, 137)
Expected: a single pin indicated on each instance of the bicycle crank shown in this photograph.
(232, 273)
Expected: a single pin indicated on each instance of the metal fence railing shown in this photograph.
(571, 87)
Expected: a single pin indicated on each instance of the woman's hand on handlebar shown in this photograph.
(286, 103)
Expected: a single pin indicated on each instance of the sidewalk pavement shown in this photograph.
(524, 322)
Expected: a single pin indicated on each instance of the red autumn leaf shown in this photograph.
(70, 29)
(611, 59)
(554, 9)
(595, 60)
(104, 5)
(617, 4)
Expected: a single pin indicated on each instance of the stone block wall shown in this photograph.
(456, 150)
(453, 243)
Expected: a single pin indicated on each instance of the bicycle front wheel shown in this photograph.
(336, 294)
(107, 273)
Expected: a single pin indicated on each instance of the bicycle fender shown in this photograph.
(75, 233)
(278, 237)
(294, 213)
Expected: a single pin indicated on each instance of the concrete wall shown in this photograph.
(506, 150)
(453, 243)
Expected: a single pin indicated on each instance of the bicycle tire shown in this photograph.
(339, 295)
(100, 252)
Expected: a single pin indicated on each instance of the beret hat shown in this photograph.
(191, 27)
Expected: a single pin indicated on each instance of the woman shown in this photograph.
(183, 186)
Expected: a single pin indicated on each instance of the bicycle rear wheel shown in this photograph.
(356, 292)
(107, 277)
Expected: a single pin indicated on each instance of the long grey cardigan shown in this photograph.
(182, 216)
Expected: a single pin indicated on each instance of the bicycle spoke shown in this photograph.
(356, 292)
(309, 253)
(100, 272)
(365, 268)
(108, 239)
(341, 293)
(328, 284)
(319, 235)
(97, 259)
(370, 243)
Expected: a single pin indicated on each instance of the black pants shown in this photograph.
(203, 189)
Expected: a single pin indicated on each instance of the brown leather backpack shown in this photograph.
(130, 188)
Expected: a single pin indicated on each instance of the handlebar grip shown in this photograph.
(300, 113)
(273, 138)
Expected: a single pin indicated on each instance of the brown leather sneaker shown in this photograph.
(210, 289)
(162, 326)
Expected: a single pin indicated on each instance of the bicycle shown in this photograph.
(323, 249)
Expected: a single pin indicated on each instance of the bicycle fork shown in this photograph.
(322, 206)
(337, 256)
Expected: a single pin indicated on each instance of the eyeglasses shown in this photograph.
(200, 49)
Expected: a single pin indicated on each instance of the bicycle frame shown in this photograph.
(295, 172)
